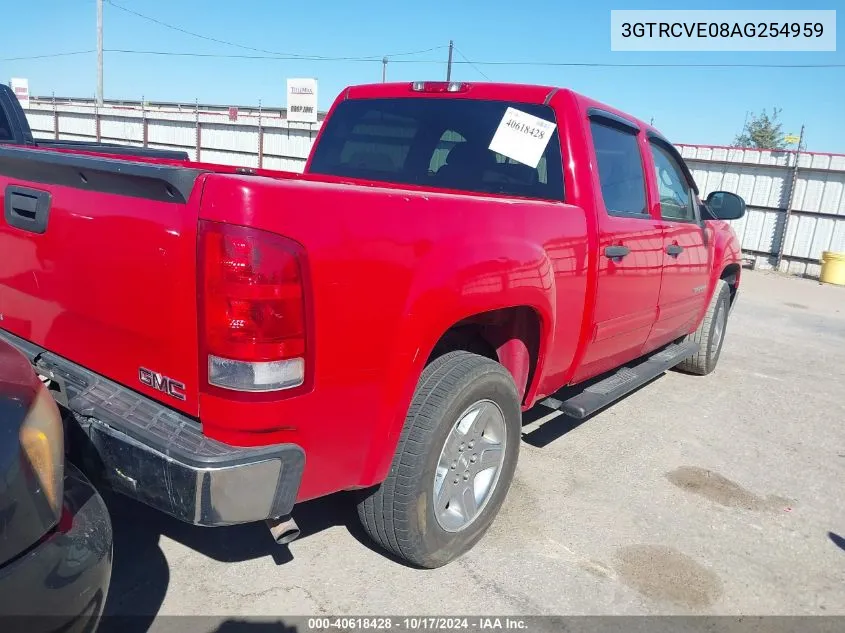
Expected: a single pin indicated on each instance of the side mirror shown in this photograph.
(724, 205)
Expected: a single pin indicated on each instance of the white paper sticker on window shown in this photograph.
(522, 137)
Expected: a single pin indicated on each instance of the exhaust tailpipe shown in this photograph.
(284, 529)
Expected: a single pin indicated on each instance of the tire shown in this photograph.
(710, 333)
(400, 515)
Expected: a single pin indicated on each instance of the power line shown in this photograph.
(46, 56)
(193, 34)
(477, 69)
(427, 50)
(474, 63)
(315, 58)
(465, 61)
(260, 50)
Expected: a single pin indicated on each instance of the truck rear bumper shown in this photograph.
(160, 457)
(239, 486)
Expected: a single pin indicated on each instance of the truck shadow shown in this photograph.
(246, 626)
(141, 573)
(200, 624)
(556, 427)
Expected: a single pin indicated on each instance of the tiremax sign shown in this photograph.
(302, 100)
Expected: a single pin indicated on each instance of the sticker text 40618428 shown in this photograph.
(536, 132)
(522, 137)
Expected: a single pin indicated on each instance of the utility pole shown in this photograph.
(99, 52)
(384, 70)
(449, 64)
(791, 200)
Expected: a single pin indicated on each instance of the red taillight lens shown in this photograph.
(252, 305)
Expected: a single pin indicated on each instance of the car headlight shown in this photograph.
(42, 441)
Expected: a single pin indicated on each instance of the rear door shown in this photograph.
(683, 290)
(630, 247)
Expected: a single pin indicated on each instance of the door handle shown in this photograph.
(616, 252)
(674, 250)
(27, 209)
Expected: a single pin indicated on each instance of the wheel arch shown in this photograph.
(510, 336)
(731, 275)
(459, 297)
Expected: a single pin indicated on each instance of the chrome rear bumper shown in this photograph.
(160, 457)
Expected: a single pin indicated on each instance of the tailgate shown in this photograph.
(98, 265)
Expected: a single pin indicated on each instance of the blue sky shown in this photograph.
(690, 105)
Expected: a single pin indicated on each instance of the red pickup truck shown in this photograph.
(229, 342)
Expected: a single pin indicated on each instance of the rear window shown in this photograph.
(438, 143)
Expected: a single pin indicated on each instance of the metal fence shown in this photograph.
(794, 212)
(246, 137)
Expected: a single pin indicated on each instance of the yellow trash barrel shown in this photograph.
(833, 268)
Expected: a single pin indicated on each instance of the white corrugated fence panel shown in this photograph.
(77, 124)
(808, 197)
(295, 143)
(284, 164)
(228, 158)
(833, 197)
(172, 133)
(837, 237)
(759, 186)
(128, 128)
(228, 137)
(761, 231)
(40, 121)
(75, 137)
(809, 236)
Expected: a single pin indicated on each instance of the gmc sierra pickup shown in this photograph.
(228, 344)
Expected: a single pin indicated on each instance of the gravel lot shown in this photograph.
(713, 495)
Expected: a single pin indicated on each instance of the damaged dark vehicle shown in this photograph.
(55, 530)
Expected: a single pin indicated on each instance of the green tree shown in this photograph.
(762, 132)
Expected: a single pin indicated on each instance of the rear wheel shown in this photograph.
(453, 465)
(710, 333)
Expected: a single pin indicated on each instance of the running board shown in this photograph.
(623, 382)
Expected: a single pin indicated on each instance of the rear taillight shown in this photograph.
(252, 308)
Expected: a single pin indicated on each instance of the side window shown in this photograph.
(620, 170)
(676, 199)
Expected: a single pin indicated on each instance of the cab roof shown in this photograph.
(516, 92)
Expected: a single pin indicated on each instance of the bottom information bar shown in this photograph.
(439, 624)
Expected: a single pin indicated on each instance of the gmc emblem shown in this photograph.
(156, 381)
